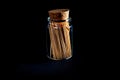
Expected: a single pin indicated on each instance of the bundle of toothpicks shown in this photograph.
(59, 30)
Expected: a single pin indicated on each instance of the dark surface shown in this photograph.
(50, 68)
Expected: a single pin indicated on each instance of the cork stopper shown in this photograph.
(59, 14)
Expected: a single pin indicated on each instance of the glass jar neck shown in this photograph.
(67, 20)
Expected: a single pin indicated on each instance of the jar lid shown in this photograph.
(59, 14)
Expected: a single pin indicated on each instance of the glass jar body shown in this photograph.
(59, 39)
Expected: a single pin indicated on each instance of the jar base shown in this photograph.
(59, 59)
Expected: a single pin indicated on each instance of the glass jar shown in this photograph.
(59, 39)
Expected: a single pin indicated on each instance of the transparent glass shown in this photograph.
(59, 39)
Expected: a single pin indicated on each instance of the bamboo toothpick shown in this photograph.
(52, 47)
(67, 40)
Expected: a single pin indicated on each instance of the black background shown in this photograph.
(31, 22)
